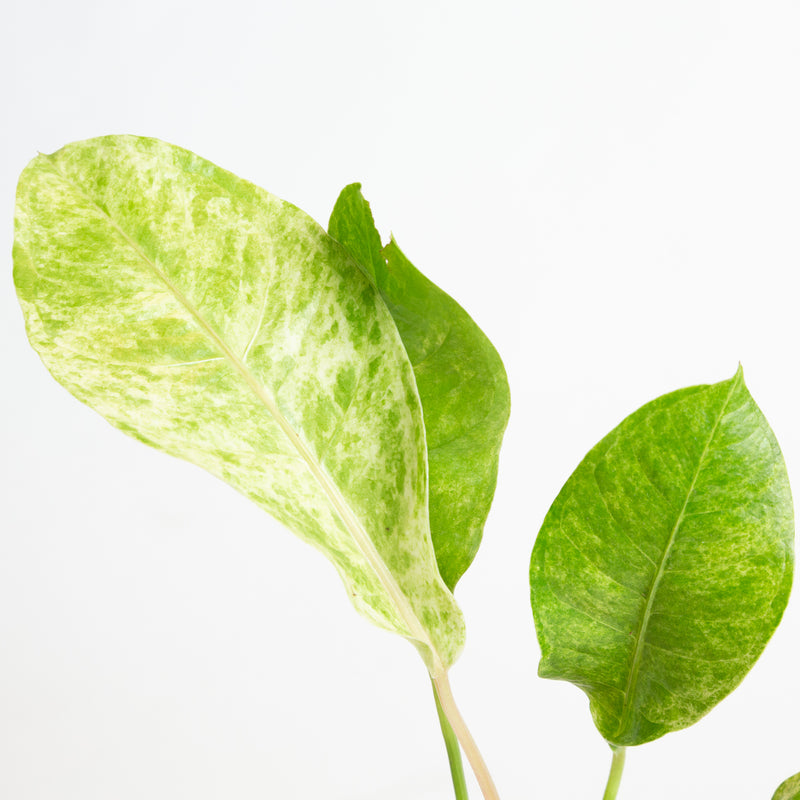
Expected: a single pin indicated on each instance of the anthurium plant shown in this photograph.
(330, 382)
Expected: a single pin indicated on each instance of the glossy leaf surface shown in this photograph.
(665, 563)
(460, 378)
(789, 789)
(209, 319)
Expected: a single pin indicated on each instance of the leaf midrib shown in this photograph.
(634, 671)
(346, 514)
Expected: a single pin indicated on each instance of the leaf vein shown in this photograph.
(349, 519)
(641, 634)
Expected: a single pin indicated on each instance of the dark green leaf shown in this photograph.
(460, 379)
(665, 563)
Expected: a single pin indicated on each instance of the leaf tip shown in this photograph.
(352, 190)
(737, 381)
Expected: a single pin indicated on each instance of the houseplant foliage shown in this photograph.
(213, 321)
(665, 563)
(328, 380)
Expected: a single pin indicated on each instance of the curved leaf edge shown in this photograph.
(789, 789)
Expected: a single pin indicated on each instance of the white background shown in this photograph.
(610, 188)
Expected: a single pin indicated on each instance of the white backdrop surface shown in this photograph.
(611, 190)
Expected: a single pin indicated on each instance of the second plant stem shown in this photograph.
(615, 775)
(441, 687)
(453, 751)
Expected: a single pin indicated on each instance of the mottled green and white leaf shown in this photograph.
(789, 789)
(665, 563)
(209, 319)
(460, 378)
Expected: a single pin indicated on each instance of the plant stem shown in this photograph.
(441, 685)
(453, 750)
(615, 776)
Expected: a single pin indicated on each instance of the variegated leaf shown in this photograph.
(207, 318)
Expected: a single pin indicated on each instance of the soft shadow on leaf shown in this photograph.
(460, 378)
(665, 563)
(215, 322)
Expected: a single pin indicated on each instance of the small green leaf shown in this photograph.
(665, 563)
(460, 378)
(207, 318)
(789, 789)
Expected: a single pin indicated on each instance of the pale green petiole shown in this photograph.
(453, 751)
(615, 775)
(441, 686)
